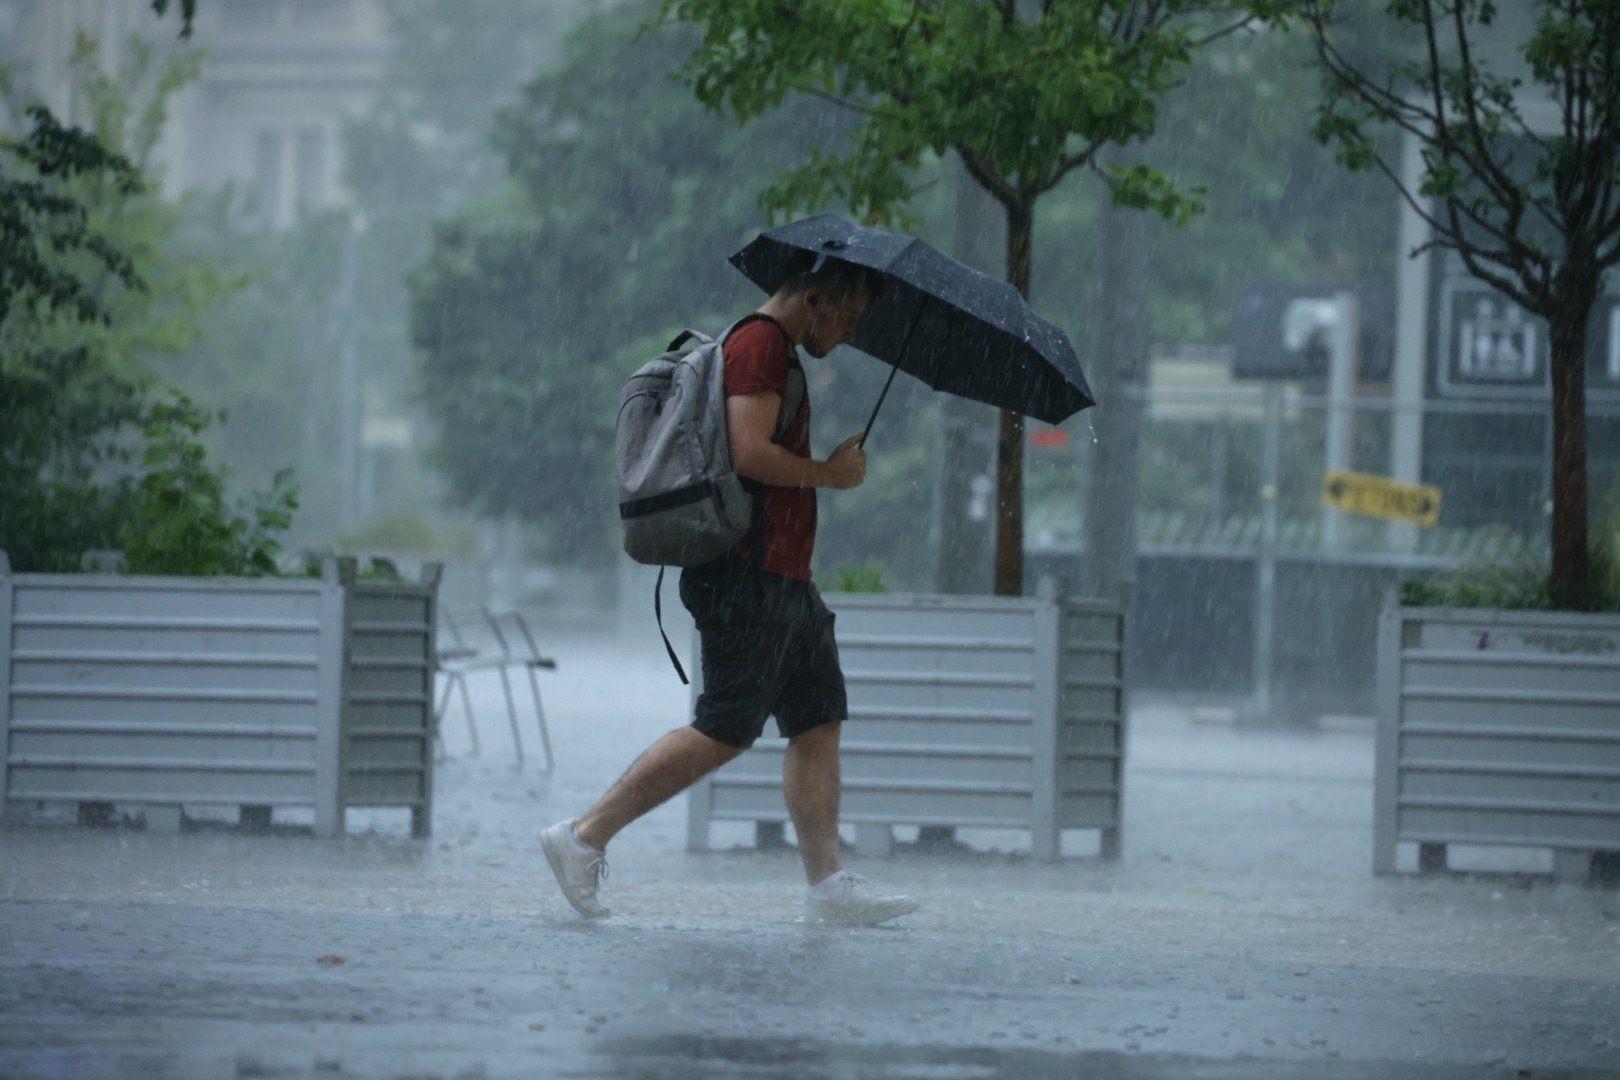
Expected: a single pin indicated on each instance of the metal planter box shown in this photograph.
(258, 693)
(1497, 727)
(964, 711)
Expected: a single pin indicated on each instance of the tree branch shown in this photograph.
(1431, 130)
(854, 106)
(1471, 106)
(1068, 165)
(1199, 43)
(1451, 235)
(986, 176)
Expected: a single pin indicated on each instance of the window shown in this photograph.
(310, 166)
(12, 45)
(267, 174)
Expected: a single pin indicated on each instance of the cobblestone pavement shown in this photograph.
(1242, 935)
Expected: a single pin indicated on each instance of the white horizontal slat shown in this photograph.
(75, 761)
(140, 622)
(975, 787)
(893, 712)
(1512, 731)
(936, 678)
(1489, 658)
(126, 727)
(127, 693)
(87, 656)
(1521, 806)
(1573, 772)
(199, 798)
(920, 641)
(1548, 697)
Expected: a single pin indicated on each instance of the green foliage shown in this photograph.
(1024, 98)
(532, 308)
(175, 519)
(50, 250)
(1525, 583)
(422, 152)
(864, 577)
(93, 454)
(62, 402)
(1530, 208)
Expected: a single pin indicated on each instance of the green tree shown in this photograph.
(532, 309)
(1024, 94)
(60, 404)
(88, 295)
(1532, 210)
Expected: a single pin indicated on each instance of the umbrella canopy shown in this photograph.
(954, 328)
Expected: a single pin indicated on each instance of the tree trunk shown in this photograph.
(1010, 448)
(1571, 558)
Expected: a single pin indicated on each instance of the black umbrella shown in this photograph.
(954, 328)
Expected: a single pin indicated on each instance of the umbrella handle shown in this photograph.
(869, 420)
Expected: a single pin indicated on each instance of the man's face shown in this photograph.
(831, 324)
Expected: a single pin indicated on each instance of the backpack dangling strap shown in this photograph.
(658, 613)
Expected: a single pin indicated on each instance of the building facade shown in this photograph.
(277, 79)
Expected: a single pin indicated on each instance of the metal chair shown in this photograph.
(459, 657)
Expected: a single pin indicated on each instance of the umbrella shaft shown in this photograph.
(869, 420)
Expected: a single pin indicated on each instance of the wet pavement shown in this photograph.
(1242, 935)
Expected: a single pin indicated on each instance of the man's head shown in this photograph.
(826, 304)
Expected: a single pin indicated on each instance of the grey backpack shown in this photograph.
(680, 500)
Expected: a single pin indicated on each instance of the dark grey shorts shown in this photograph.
(768, 650)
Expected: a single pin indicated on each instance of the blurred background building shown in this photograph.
(277, 79)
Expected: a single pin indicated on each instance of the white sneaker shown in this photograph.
(850, 900)
(579, 868)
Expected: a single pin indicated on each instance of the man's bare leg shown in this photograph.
(668, 767)
(810, 782)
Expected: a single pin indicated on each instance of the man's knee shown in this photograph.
(717, 749)
(820, 737)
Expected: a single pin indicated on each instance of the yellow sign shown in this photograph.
(1381, 497)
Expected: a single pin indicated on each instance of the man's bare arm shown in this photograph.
(752, 419)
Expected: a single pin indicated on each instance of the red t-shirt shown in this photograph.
(759, 355)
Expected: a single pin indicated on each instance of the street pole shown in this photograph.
(1120, 364)
(348, 383)
(1342, 360)
(1409, 379)
(1266, 562)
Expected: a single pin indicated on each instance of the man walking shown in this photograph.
(767, 637)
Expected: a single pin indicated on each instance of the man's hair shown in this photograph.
(837, 279)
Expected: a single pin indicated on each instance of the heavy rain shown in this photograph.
(1122, 578)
